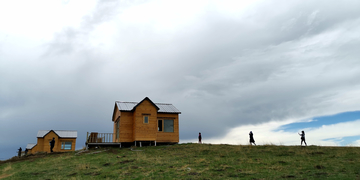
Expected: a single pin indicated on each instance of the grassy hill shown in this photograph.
(190, 161)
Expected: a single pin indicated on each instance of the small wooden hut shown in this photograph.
(64, 141)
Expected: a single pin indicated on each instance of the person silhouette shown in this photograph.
(19, 152)
(252, 138)
(302, 137)
(52, 144)
(199, 138)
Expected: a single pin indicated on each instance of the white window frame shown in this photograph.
(64, 143)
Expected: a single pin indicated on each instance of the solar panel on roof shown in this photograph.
(163, 107)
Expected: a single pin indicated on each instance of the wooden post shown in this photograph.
(140, 143)
(120, 145)
(135, 143)
(155, 143)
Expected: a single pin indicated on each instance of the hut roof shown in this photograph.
(162, 107)
(30, 145)
(60, 133)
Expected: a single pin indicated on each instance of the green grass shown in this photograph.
(193, 161)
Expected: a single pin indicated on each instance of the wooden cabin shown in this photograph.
(30, 147)
(145, 121)
(64, 141)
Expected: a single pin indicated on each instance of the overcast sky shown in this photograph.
(273, 67)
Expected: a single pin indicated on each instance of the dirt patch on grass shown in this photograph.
(219, 169)
(319, 167)
(106, 164)
(73, 174)
(194, 173)
(288, 176)
(126, 161)
(5, 176)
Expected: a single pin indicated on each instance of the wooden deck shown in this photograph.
(106, 139)
(99, 138)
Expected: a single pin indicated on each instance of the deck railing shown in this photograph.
(95, 137)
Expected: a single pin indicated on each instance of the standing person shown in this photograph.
(52, 144)
(26, 151)
(19, 152)
(302, 137)
(199, 138)
(251, 138)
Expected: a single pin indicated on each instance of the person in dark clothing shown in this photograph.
(52, 144)
(302, 137)
(26, 151)
(19, 152)
(251, 138)
(199, 138)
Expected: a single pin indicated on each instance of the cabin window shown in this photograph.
(160, 125)
(146, 119)
(66, 145)
(168, 125)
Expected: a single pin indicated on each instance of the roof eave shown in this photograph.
(170, 112)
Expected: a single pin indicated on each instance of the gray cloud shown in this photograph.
(71, 39)
(277, 60)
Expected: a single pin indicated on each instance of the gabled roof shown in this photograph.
(60, 133)
(161, 107)
(30, 146)
(146, 98)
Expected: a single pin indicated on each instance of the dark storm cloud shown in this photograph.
(277, 60)
(231, 62)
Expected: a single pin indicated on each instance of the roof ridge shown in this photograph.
(138, 102)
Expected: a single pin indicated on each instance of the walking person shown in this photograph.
(19, 152)
(302, 137)
(252, 138)
(52, 144)
(199, 138)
